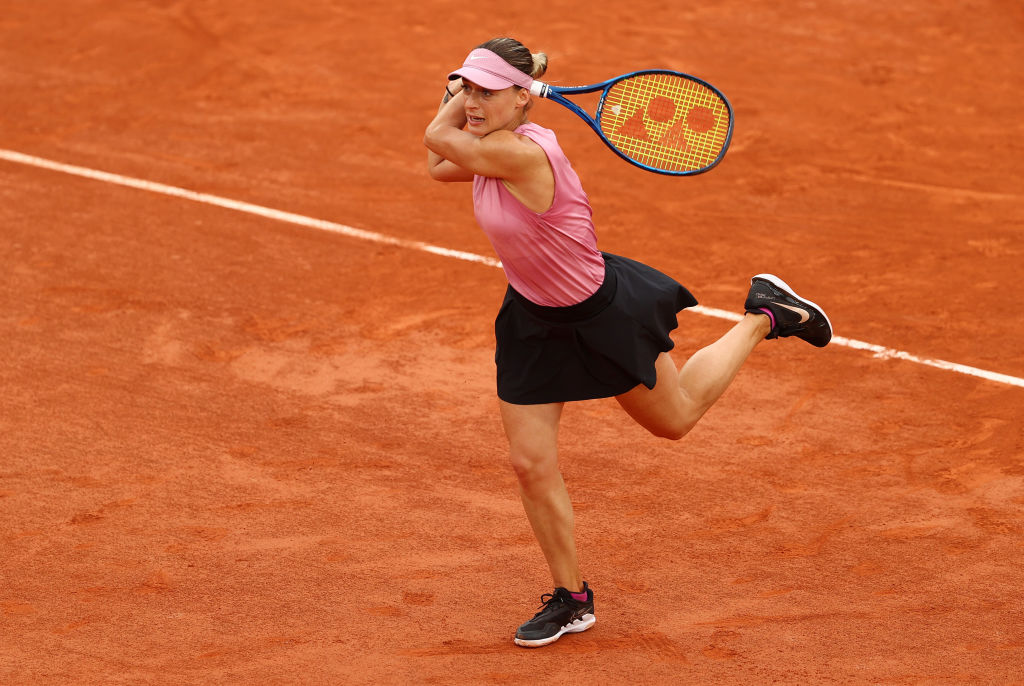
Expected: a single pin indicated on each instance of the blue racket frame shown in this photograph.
(558, 93)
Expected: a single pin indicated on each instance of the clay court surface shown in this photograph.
(240, 451)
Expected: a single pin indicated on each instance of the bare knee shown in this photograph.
(532, 466)
(673, 430)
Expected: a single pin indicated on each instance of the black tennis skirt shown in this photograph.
(598, 348)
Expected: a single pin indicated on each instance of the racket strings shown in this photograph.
(666, 122)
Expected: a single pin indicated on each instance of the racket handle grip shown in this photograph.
(540, 89)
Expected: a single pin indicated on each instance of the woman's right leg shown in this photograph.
(532, 432)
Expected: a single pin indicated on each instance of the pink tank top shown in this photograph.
(551, 257)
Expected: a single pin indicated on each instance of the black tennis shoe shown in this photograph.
(794, 316)
(560, 614)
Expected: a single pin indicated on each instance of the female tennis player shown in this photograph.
(576, 323)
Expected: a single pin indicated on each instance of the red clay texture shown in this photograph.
(237, 451)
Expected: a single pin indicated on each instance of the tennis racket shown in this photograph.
(660, 120)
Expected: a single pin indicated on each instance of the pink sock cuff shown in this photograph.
(770, 315)
(579, 597)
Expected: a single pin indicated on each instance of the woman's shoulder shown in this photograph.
(544, 138)
(535, 131)
(519, 141)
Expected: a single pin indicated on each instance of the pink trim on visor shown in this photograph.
(487, 70)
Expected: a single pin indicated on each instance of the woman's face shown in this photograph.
(488, 111)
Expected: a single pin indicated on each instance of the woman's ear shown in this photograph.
(522, 97)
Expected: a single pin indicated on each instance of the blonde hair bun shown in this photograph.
(540, 64)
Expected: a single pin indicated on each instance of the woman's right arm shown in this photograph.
(453, 113)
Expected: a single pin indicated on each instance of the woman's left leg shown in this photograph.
(679, 399)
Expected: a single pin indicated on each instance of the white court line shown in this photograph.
(879, 351)
(12, 156)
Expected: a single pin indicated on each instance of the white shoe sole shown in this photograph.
(783, 286)
(581, 624)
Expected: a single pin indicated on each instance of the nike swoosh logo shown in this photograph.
(804, 314)
(477, 57)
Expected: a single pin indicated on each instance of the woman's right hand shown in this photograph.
(452, 88)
